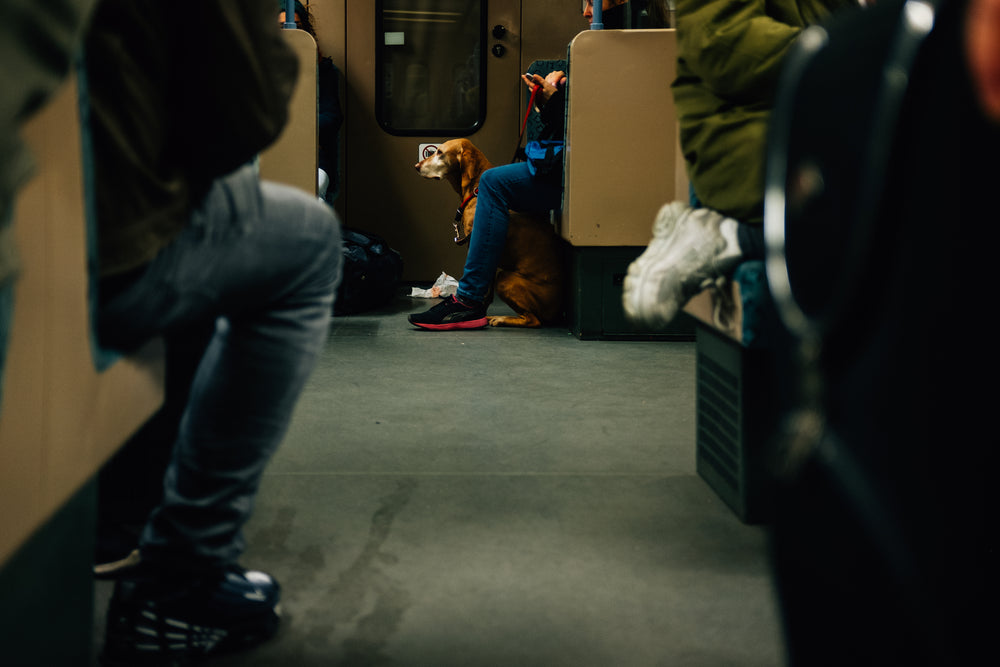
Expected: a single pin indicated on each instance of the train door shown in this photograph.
(419, 72)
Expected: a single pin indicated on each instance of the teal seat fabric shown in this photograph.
(759, 315)
(103, 357)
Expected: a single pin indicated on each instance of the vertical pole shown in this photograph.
(289, 15)
(597, 23)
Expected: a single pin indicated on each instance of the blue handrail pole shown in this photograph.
(289, 15)
(597, 23)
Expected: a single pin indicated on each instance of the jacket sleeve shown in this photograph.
(237, 75)
(734, 46)
(552, 116)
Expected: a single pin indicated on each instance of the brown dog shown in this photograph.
(532, 277)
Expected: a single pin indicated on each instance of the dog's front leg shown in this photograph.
(522, 320)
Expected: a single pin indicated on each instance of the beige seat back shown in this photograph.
(292, 158)
(624, 160)
(60, 418)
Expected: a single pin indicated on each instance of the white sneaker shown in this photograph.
(691, 249)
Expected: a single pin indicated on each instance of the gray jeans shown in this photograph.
(263, 261)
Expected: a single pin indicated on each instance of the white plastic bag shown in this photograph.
(445, 285)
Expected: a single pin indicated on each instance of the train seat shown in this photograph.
(293, 158)
(623, 162)
(65, 405)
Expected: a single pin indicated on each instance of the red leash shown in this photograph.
(459, 239)
(524, 123)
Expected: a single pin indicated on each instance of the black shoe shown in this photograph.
(451, 314)
(154, 620)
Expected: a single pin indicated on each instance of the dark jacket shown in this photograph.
(178, 97)
(546, 127)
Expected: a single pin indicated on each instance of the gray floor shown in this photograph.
(502, 497)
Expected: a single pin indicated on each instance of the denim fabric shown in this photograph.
(263, 261)
(510, 186)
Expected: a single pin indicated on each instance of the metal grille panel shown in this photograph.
(718, 424)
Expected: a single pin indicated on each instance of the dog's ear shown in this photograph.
(469, 164)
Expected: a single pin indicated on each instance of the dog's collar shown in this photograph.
(459, 239)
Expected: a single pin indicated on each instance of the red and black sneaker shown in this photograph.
(451, 314)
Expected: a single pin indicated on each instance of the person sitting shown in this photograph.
(188, 234)
(531, 186)
(729, 56)
(329, 116)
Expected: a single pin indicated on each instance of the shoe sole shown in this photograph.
(451, 326)
(249, 634)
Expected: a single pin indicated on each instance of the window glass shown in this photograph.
(429, 66)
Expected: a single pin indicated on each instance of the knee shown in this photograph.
(330, 225)
(331, 239)
(490, 184)
(322, 233)
(319, 221)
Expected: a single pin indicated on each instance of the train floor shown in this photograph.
(501, 497)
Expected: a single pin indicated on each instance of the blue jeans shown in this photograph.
(263, 262)
(511, 186)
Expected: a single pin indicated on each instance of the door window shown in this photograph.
(430, 69)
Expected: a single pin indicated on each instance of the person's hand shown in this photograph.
(548, 86)
(557, 78)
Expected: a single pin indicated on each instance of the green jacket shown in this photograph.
(730, 54)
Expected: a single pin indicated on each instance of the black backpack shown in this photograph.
(372, 271)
